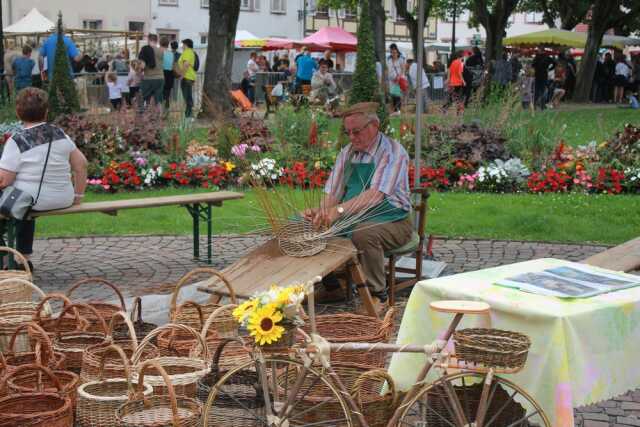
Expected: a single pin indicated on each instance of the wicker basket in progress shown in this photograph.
(169, 410)
(99, 400)
(299, 239)
(492, 347)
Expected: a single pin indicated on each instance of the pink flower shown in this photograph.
(255, 148)
(140, 161)
(239, 150)
(106, 186)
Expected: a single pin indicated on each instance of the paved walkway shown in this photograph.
(149, 264)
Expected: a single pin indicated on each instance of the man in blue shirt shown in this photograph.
(48, 51)
(305, 66)
(22, 69)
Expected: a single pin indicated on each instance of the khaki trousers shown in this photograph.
(372, 240)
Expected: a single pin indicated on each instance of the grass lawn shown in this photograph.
(566, 218)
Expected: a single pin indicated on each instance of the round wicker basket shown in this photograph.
(16, 292)
(104, 309)
(14, 314)
(492, 347)
(299, 239)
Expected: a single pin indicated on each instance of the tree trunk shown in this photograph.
(223, 20)
(378, 18)
(493, 43)
(588, 63)
(1, 38)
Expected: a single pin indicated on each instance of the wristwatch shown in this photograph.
(340, 210)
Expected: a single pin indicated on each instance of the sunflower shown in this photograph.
(263, 325)
(241, 312)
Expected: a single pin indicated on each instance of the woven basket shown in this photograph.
(347, 327)
(502, 405)
(17, 292)
(74, 344)
(376, 407)
(492, 347)
(29, 382)
(284, 345)
(94, 365)
(300, 239)
(225, 326)
(52, 325)
(159, 411)
(41, 353)
(141, 328)
(38, 409)
(242, 391)
(184, 372)
(14, 314)
(174, 342)
(104, 309)
(98, 400)
(234, 354)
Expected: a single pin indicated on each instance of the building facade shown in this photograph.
(180, 19)
(114, 15)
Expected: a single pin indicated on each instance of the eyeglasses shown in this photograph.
(357, 131)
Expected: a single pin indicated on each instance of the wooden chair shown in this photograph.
(416, 246)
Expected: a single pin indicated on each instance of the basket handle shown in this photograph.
(43, 346)
(54, 296)
(190, 303)
(212, 317)
(215, 363)
(172, 394)
(127, 321)
(374, 375)
(101, 281)
(202, 270)
(18, 257)
(387, 322)
(157, 331)
(136, 310)
(114, 348)
(26, 283)
(101, 321)
(34, 367)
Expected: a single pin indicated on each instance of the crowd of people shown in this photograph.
(148, 78)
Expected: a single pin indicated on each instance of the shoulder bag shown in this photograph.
(15, 203)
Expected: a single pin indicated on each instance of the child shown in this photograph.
(135, 77)
(115, 91)
(527, 89)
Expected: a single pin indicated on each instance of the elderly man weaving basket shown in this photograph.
(367, 196)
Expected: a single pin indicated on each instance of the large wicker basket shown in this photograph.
(40, 353)
(104, 309)
(169, 410)
(98, 400)
(37, 409)
(74, 344)
(240, 392)
(184, 372)
(234, 354)
(30, 381)
(14, 314)
(347, 327)
(300, 239)
(17, 292)
(54, 324)
(492, 347)
(190, 316)
(98, 361)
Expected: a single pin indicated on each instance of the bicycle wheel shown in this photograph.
(454, 400)
(277, 392)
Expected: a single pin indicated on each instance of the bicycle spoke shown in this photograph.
(324, 422)
(301, 398)
(502, 408)
(523, 418)
(243, 406)
(460, 417)
(306, 411)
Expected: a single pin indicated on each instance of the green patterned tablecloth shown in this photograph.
(583, 350)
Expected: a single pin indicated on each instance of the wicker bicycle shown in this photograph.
(304, 389)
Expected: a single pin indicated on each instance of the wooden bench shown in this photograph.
(267, 265)
(199, 207)
(624, 257)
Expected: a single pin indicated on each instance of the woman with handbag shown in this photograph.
(40, 169)
(398, 83)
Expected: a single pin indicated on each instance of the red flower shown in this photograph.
(313, 133)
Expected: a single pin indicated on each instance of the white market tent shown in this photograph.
(32, 22)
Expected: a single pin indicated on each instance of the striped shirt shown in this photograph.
(391, 176)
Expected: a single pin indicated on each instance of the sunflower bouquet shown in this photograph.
(269, 315)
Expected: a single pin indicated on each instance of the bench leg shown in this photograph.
(209, 234)
(200, 212)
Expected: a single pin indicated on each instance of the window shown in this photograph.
(92, 24)
(136, 26)
(322, 11)
(250, 5)
(278, 6)
(167, 2)
(204, 39)
(204, 4)
(349, 13)
(533, 18)
(171, 36)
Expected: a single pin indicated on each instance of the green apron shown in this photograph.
(358, 178)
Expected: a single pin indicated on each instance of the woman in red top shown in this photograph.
(456, 82)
